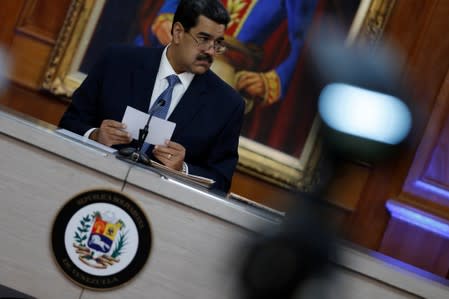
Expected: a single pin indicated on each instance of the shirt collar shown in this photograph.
(165, 70)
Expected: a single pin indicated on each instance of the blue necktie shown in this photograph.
(166, 96)
(161, 112)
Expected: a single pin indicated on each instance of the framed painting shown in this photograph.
(269, 39)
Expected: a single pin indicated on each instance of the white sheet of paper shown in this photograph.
(135, 120)
(159, 130)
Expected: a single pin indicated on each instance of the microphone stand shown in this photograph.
(135, 154)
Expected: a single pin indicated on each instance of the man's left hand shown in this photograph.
(171, 154)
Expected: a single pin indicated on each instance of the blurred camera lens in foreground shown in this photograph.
(364, 113)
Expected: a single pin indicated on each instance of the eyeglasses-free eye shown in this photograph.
(204, 44)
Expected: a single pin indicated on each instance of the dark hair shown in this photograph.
(188, 12)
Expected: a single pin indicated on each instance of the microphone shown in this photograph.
(135, 153)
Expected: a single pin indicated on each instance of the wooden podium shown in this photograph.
(199, 238)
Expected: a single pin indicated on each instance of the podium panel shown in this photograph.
(33, 186)
(196, 246)
(194, 255)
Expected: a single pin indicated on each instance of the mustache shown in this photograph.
(205, 57)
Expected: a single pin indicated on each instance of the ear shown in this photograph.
(178, 31)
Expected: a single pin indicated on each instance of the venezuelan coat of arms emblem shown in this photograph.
(101, 239)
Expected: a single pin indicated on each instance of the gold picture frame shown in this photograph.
(62, 77)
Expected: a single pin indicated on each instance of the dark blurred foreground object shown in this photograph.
(8, 293)
(362, 102)
(4, 69)
(364, 118)
(280, 262)
(361, 124)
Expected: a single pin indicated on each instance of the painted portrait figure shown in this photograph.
(266, 40)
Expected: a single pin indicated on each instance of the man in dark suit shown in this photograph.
(208, 113)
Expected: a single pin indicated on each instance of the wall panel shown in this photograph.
(29, 60)
(416, 246)
(9, 13)
(30, 35)
(418, 29)
(42, 19)
(420, 211)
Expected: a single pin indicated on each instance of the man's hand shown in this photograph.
(171, 154)
(111, 132)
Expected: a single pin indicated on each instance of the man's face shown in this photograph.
(194, 50)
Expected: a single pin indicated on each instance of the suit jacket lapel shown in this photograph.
(143, 80)
(190, 103)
